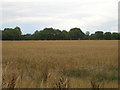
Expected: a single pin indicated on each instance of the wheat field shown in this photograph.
(60, 64)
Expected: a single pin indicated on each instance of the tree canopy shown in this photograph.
(56, 34)
(11, 34)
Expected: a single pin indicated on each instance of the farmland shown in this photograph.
(42, 64)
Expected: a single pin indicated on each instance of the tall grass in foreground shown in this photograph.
(60, 64)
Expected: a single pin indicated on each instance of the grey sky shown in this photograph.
(89, 15)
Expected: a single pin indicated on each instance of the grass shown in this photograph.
(39, 64)
(76, 73)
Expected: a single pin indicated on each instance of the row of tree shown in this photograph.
(56, 34)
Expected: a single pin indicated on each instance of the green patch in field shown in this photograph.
(100, 76)
(113, 74)
(107, 75)
(78, 73)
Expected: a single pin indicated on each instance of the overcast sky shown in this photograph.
(89, 15)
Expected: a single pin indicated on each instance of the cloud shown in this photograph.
(62, 14)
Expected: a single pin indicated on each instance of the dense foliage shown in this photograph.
(56, 34)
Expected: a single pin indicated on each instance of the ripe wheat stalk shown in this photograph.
(62, 83)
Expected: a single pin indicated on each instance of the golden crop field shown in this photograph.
(60, 64)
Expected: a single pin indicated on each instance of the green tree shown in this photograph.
(92, 37)
(47, 34)
(58, 34)
(118, 36)
(27, 37)
(36, 35)
(87, 34)
(11, 34)
(76, 34)
(0, 34)
(65, 35)
(18, 33)
(99, 35)
(107, 36)
(115, 36)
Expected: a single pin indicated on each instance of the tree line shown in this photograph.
(56, 34)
